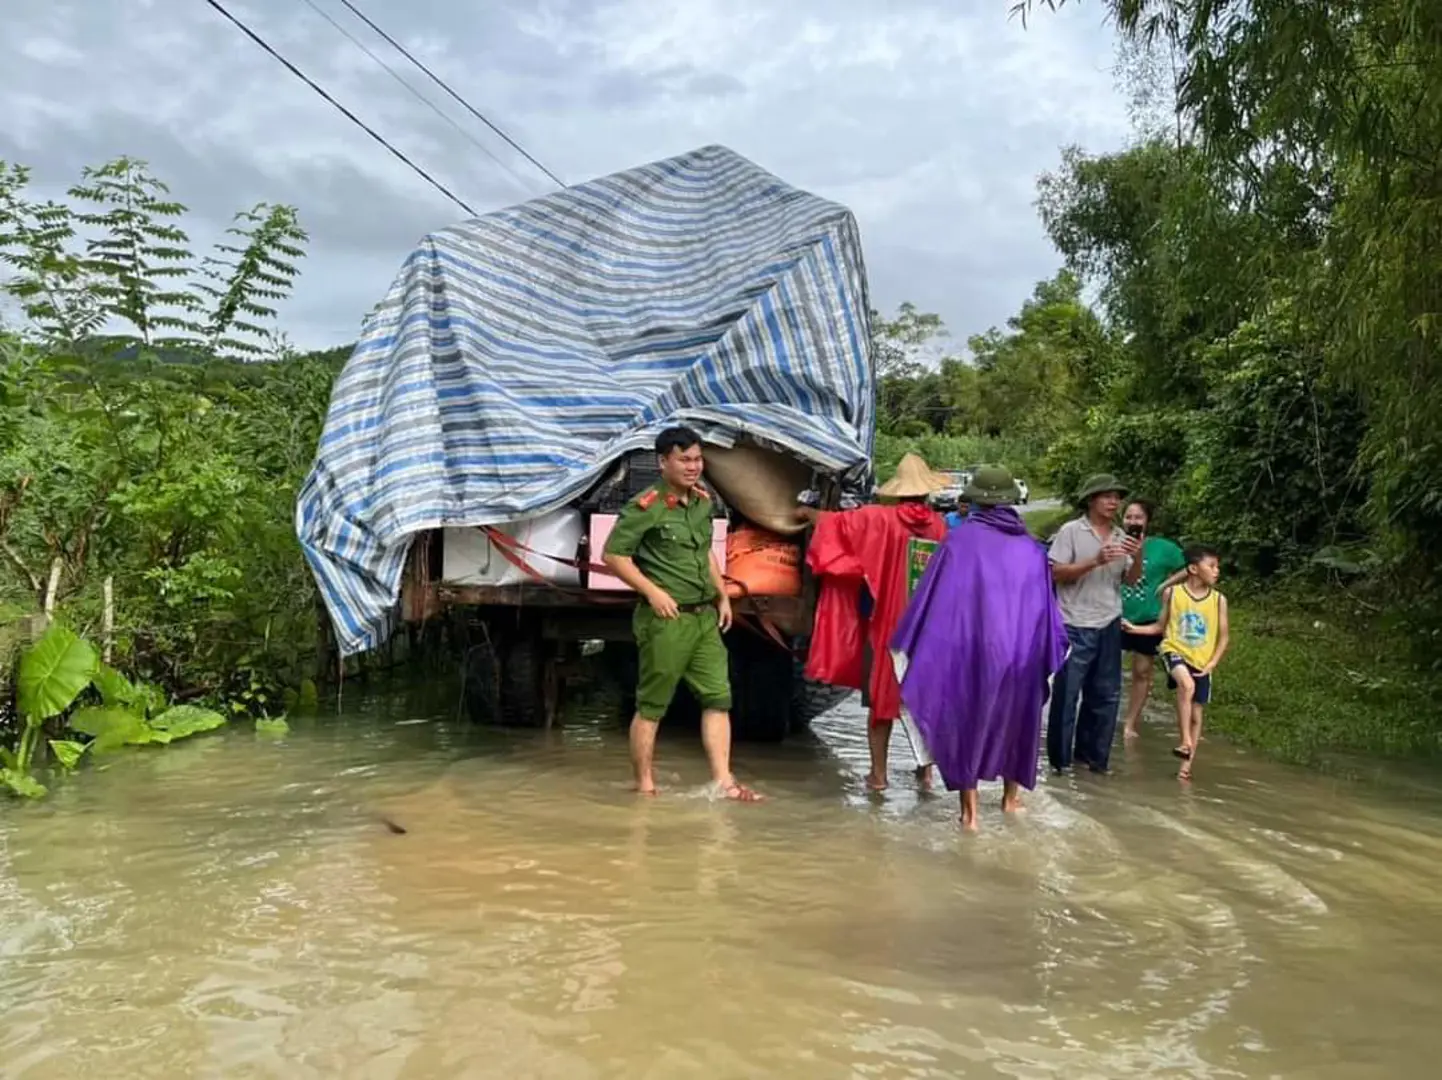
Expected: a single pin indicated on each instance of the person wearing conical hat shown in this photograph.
(1091, 558)
(861, 558)
(914, 480)
(978, 642)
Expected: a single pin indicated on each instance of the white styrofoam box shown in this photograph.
(469, 558)
(601, 526)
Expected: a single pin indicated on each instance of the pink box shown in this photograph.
(601, 526)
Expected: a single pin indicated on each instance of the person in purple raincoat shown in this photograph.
(977, 645)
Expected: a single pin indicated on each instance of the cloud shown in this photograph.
(931, 125)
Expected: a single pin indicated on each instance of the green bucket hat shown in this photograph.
(991, 485)
(1100, 484)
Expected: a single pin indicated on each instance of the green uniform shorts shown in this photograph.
(687, 647)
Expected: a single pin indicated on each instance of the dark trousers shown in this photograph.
(1084, 698)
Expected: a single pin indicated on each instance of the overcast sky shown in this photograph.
(930, 125)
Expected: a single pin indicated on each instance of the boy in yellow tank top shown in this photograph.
(1195, 634)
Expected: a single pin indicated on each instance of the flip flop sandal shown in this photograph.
(1181, 752)
(741, 793)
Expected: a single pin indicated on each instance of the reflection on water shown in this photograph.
(232, 907)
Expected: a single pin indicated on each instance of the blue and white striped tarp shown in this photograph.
(518, 355)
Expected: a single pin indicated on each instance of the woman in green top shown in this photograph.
(1142, 604)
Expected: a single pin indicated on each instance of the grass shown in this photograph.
(1313, 675)
(1043, 523)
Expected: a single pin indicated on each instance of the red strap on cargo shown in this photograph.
(511, 549)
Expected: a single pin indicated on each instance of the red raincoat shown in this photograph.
(849, 548)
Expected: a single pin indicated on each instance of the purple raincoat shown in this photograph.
(981, 637)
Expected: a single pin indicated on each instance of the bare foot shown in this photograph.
(968, 822)
(875, 784)
(923, 778)
(1013, 806)
(651, 790)
(1185, 772)
(1130, 733)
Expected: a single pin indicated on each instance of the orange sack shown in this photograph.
(761, 563)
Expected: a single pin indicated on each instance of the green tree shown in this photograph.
(138, 447)
(1322, 119)
(908, 394)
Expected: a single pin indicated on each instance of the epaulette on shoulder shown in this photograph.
(699, 490)
(647, 499)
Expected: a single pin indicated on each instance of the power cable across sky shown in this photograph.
(393, 43)
(352, 117)
(427, 102)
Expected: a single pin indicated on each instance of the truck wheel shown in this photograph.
(761, 688)
(619, 668)
(480, 688)
(522, 671)
(812, 699)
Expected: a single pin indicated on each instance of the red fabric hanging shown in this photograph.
(848, 548)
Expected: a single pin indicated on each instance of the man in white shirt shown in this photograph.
(1090, 559)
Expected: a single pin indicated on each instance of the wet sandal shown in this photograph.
(1181, 752)
(741, 793)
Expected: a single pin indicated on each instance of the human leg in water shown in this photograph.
(643, 753)
(878, 741)
(1186, 695)
(1011, 797)
(1194, 731)
(1141, 690)
(716, 737)
(969, 801)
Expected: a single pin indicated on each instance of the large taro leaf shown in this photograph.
(115, 689)
(271, 726)
(26, 787)
(68, 752)
(114, 728)
(53, 673)
(180, 721)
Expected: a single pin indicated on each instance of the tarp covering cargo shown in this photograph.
(518, 355)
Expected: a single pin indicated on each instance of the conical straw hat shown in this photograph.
(913, 480)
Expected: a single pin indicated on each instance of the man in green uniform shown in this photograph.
(661, 547)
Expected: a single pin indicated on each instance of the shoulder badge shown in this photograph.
(699, 490)
(647, 499)
(672, 502)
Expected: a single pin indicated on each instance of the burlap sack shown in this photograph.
(760, 484)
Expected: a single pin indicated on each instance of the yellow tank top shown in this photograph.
(1192, 626)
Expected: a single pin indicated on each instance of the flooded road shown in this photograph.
(231, 907)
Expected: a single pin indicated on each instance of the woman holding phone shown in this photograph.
(1162, 562)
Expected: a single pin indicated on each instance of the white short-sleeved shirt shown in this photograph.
(1095, 599)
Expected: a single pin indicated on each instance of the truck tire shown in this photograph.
(811, 699)
(762, 685)
(480, 684)
(520, 692)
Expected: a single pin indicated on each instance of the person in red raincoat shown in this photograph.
(861, 555)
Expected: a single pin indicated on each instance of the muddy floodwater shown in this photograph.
(232, 907)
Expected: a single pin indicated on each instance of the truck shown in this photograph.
(500, 406)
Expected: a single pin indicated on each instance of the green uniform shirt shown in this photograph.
(1161, 558)
(670, 542)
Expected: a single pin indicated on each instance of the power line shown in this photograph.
(352, 117)
(393, 43)
(482, 147)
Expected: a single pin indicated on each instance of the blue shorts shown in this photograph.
(1203, 683)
